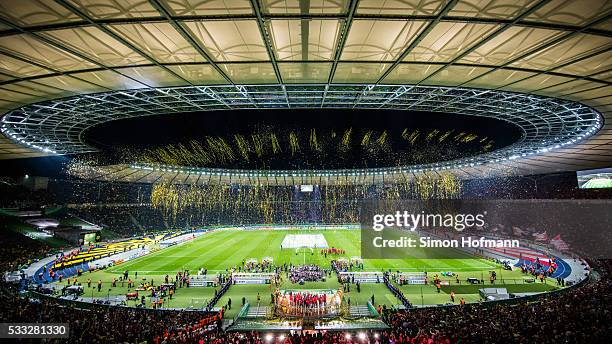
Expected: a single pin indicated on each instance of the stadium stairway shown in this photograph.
(227, 323)
(136, 223)
(360, 311)
(258, 312)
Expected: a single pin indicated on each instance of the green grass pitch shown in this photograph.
(219, 250)
(597, 183)
(223, 249)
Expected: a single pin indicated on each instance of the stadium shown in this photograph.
(305, 171)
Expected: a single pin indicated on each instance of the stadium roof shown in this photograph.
(556, 48)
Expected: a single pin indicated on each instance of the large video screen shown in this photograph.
(89, 238)
(595, 179)
(306, 188)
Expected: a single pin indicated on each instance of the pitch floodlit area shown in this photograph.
(223, 249)
(219, 250)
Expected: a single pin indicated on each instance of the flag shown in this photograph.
(558, 243)
(540, 236)
(517, 231)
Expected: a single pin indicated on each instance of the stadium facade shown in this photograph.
(209, 253)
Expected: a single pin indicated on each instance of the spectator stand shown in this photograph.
(530, 253)
(85, 261)
(179, 238)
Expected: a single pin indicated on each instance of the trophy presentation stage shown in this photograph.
(319, 303)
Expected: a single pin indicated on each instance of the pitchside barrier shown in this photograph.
(202, 281)
(302, 227)
(410, 278)
(362, 277)
(252, 278)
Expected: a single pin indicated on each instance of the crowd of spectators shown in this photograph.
(17, 250)
(578, 315)
(335, 337)
(126, 220)
(15, 191)
(581, 315)
(125, 207)
(104, 324)
(14, 194)
(78, 191)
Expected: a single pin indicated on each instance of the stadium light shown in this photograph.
(579, 123)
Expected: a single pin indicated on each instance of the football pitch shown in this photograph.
(219, 250)
(223, 249)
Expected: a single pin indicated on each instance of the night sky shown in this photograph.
(329, 125)
(157, 131)
(177, 128)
